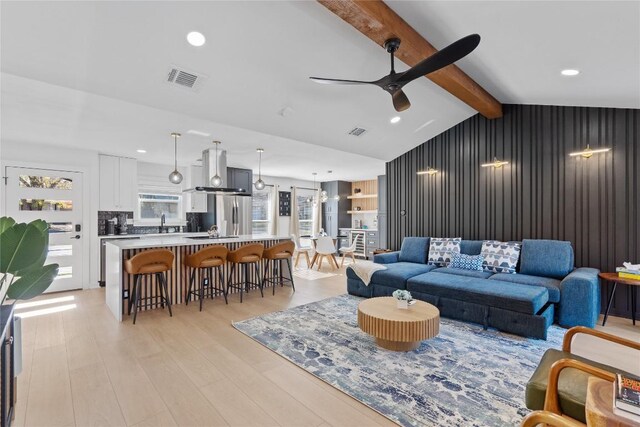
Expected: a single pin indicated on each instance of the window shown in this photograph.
(151, 206)
(261, 208)
(305, 215)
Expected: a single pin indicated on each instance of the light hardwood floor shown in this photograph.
(83, 368)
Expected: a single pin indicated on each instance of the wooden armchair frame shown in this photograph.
(551, 400)
(548, 419)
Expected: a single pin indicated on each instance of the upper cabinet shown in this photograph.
(195, 202)
(118, 183)
(240, 178)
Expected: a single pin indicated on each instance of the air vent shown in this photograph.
(357, 131)
(183, 78)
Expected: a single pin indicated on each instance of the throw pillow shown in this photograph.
(500, 257)
(466, 262)
(441, 249)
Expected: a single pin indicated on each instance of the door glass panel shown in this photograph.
(60, 227)
(45, 205)
(65, 272)
(34, 181)
(60, 250)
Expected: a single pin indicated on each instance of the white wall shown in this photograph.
(13, 153)
(284, 184)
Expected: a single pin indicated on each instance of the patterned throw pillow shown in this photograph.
(500, 257)
(466, 262)
(441, 249)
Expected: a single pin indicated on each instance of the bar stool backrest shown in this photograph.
(150, 261)
(246, 253)
(208, 257)
(281, 250)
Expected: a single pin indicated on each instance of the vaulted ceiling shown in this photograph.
(93, 75)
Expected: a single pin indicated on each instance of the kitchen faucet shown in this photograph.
(162, 221)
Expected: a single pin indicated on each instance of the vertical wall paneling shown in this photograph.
(542, 194)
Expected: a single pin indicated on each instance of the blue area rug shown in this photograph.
(463, 377)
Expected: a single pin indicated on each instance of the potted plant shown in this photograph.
(403, 298)
(23, 252)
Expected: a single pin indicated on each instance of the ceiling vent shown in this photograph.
(357, 131)
(184, 78)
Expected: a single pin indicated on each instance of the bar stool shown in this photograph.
(275, 255)
(244, 256)
(150, 262)
(209, 258)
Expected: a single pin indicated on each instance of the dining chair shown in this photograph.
(325, 248)
(350, 250)
(299, 249)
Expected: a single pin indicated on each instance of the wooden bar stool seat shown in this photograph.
(245, 256)
(150, 262)
(207, 259)
(274, 256)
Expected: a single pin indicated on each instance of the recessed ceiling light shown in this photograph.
(195, 38)
(199, 133)
(570, 72)
(141, 151)
(395, 119)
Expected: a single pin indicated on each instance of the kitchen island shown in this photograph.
(119, 283)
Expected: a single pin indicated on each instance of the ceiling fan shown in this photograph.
(394, 82)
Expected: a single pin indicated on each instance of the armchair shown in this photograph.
(566, 395)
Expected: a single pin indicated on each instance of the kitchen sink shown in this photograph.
(212, 238)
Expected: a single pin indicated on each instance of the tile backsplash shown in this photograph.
(104, 216)
(194, 223)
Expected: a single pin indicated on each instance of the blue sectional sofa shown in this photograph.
(546, 287)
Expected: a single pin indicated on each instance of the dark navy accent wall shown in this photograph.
(542, 194)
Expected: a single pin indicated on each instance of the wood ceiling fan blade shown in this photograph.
(322, 80)
(400, 101)
(450, 54)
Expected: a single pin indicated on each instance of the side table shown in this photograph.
(599, 406)
(613, 277)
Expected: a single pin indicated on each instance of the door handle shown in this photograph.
(77, 236)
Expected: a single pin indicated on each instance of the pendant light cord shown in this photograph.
(217, 143)
(175, 152)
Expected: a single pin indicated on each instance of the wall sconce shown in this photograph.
(429, 171)
(496, 164)
(588, 152)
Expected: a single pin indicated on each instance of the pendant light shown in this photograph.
(259, 184)
(311, 199)
(175, 177)
(216, 181)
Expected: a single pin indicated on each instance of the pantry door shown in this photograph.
(54, 196)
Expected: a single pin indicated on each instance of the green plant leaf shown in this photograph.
(6, 222)
(22, 246)
(33, 283)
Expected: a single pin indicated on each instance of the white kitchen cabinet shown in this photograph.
(118, 183)
(195, 202)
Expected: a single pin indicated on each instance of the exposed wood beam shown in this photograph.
(377, 21)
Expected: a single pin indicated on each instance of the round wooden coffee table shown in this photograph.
(395, 328)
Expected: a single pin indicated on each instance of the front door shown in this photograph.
(56, 197)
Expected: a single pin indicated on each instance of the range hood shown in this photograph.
(209, 162)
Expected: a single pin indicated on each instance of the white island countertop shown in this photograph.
(172, 240)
